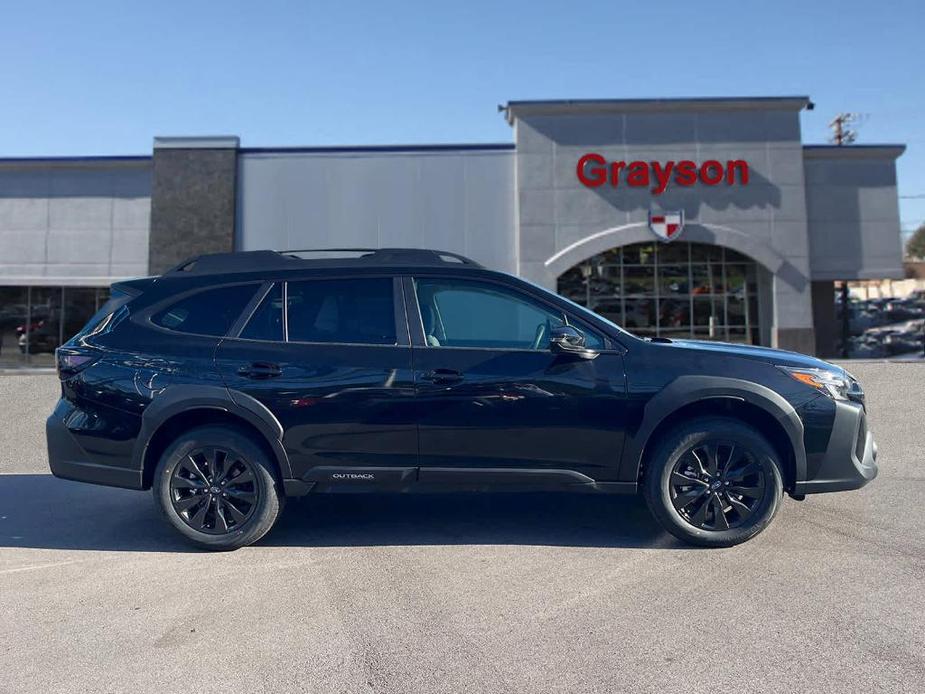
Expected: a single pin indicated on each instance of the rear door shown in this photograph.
(491, 394)
(330, 358)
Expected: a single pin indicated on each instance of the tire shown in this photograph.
(713, 504)
(217, 487)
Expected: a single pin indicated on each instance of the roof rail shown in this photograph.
(231, 262)
(411, 256)
(255, 261)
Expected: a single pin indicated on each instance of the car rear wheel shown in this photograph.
(216, 486)
(714, 482)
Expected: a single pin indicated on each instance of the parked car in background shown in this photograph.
(45, 333)
(883, 327)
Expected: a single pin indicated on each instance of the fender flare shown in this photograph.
(686, 390)
(177, 399)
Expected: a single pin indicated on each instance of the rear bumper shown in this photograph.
(850, 460)
(68, 460)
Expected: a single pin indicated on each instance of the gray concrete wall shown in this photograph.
(562, 222)
(73, 222)
(453, 200)
(853, 212)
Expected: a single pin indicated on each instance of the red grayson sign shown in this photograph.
(594, 171)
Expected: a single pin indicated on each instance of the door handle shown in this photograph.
(260, 370)
(443, 376)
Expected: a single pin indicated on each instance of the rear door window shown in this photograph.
(209, 312)
(357, 311)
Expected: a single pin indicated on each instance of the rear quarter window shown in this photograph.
(209, 312)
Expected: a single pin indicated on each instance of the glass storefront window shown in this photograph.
(45, 326)
(735, 279)
(706, 279)
(640, 314)
(673, 279)
(703, 253)
(34, 321)
(708, 311)
(639, 280)
(674, 313)
(14, 314)
(611, 257)
(639, 254)
(572, 286)
(672, 290)
(674, 253)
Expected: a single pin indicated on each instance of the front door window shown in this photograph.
(460, 313)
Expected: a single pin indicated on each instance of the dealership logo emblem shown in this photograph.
(666, 225)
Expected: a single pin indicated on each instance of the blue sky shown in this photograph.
(105, 77)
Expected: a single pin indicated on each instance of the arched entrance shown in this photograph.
(679, 289)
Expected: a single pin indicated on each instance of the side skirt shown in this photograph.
(343, 479)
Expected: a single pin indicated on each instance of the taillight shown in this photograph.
(70, 361)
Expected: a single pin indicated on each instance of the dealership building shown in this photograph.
(705, 218)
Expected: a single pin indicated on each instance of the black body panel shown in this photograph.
(520, 409)
(418, 416)
(348, 405)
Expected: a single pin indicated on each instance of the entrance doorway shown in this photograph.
(679, 289)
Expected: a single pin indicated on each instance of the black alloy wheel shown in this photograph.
(219, 487)
(713, 481)
(214, 490)
(717, 485)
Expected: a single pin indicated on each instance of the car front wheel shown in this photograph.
(714, 482)
(217, 488)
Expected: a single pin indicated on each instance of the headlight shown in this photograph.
(831, 383)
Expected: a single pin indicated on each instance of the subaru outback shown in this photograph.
(236, 380)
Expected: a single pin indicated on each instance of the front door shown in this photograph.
(492, 395)
(331, 360)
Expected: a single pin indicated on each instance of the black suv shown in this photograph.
(236, 380)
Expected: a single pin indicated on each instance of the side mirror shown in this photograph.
(567, 340)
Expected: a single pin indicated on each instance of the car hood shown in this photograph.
(773, 356)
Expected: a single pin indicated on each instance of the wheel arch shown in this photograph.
(697, 396)
(182, 408)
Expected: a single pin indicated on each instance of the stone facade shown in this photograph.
(192, 199)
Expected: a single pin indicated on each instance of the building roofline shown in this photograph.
(374, 149)
(76, 160)
(198, 142)
(872, 151)
(514, 109)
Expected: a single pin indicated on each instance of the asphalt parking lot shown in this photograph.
(476, 594)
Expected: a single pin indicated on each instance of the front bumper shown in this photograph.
(850, 461)
(68, 460)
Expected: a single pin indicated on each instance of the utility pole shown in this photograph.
(842, 134)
